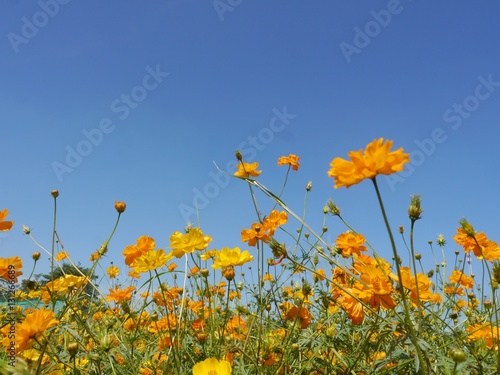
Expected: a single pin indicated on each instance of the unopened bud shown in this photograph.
(120, 206)
(36, 255)
(54, 193)
(239, 157)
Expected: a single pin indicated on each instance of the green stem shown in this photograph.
(409, 323)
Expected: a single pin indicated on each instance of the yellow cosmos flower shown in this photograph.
(374, 160)
(245, 170)
(231, 257)
(212, 366)
(291, 160)
(113, 272)
(151, 261)
(186, 243)
(5, 225)
(61, 255)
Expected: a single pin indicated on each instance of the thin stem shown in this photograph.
(409, 323)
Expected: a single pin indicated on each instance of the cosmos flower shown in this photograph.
(212, 366)
(231, 257)
(186, 243)
(291, 160)
(374, 160)
(4, 224)
(245, 170)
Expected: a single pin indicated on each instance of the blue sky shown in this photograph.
(135, 101)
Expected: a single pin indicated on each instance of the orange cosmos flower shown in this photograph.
(245, 170)
(186, 243)
(374, 160)
(478, 243)
(291, 160)
(274, 220)
(423, 292)
(120, 295)
(5, 225)
(457, 277)
(350, 243)
(143, 245)
(34, 325)
(265, 230)
(10, 268)
(257, 232)
(375, 288)
(352, 307)
(486, 331)
(212, 366)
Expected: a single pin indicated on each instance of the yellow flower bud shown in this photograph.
(120, 207)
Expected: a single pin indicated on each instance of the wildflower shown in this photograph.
(193, 240)
(120, 207)
(231, 257)
(245, 170)
(265, 230)
(34, 325)
(375, 288)
(36, 255)
(10, 268)
(291, 160)
(274, 220)
(209, 254)
(212, 366)
(120, 295)
(4, 224)
(349, 243)
(61, 255)
(255, 233)
(113, 272)
(457, 277)
(143, 245)
(62, 286)
(374, 160)
(150, 261)
(477, 242)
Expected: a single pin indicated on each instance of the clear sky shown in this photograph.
(135, 101)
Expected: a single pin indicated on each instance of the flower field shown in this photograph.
(316, 308)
